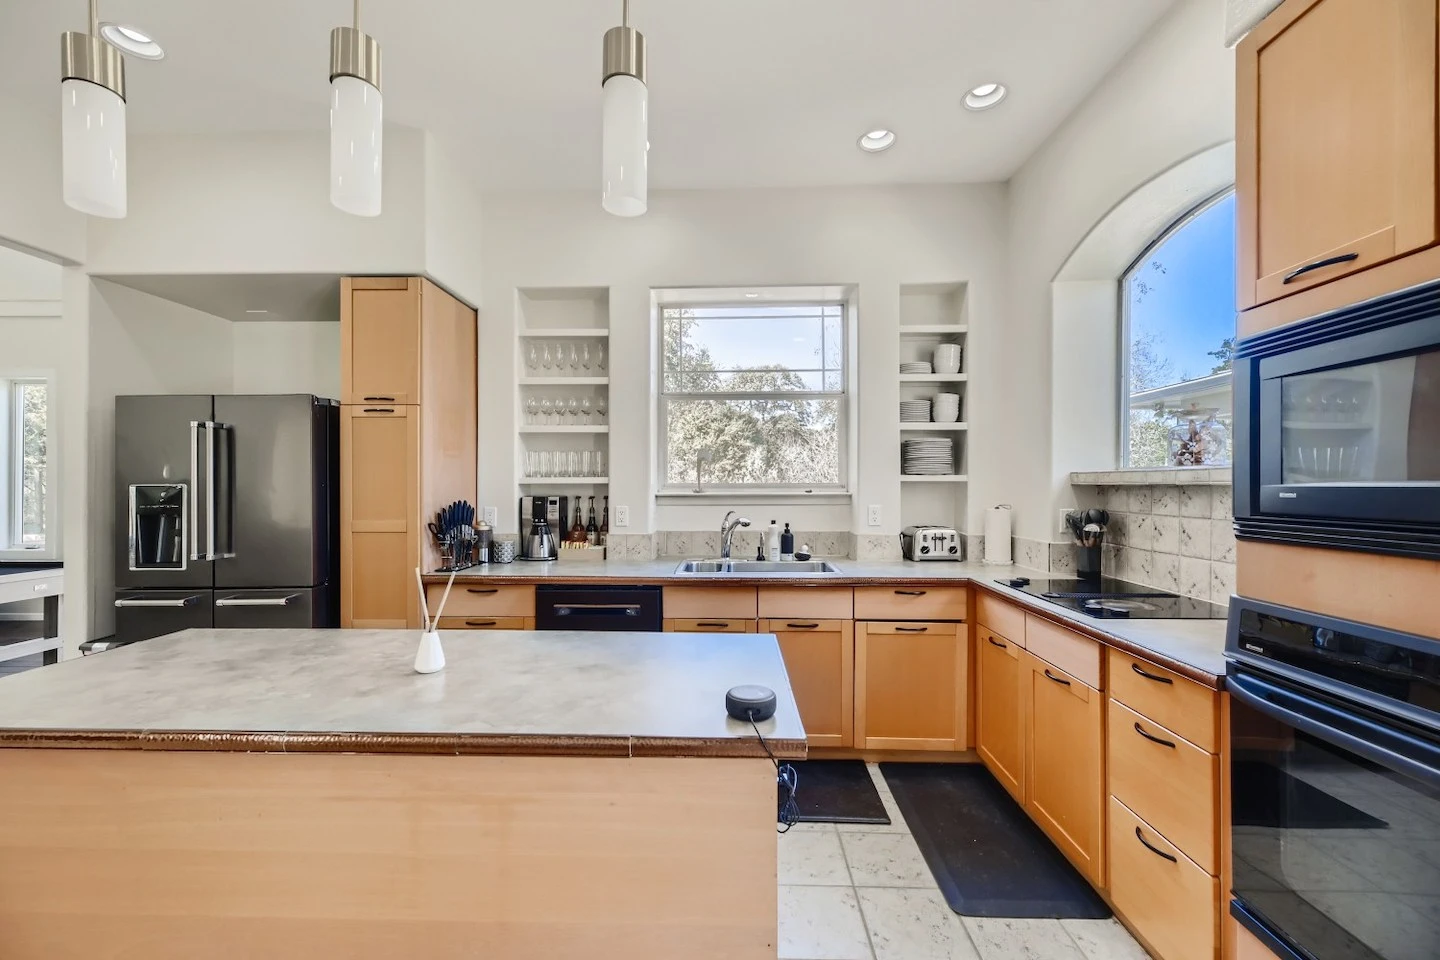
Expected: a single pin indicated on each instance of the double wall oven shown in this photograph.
(1335, 785)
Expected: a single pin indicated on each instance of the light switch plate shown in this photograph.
(873, 519)
(622, 516)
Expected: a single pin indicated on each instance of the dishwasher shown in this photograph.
(597, 607)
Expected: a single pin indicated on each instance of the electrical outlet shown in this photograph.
(873, 519)
(1063, 527)
(622, 516)
(490, 515)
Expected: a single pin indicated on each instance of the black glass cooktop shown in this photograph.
(1107, 598)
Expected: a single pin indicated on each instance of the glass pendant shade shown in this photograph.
(92, 130)
(356, 138)
(624, 146)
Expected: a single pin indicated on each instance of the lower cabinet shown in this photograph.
(487, 623)
(1168, 898)
(712, 625)
(999, 713)
(910, 686)
(1064, 736)
(820, 659)
(379, 517)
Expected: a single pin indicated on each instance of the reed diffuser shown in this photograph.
(430, 656)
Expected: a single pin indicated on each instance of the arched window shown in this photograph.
(1178, 328)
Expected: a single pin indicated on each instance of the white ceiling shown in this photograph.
(743, 92)
(304, 297)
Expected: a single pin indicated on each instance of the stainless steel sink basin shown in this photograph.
(794, 568)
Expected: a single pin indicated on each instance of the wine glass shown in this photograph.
(585, 410)
(574, 411)
(547, 411)
(532, 410)
(601, 405)
(532, 359)
(585, 358)
(547, 360)
(574, 359)
(600, 355)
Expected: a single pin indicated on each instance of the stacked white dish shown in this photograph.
(920, 366)
(948, 357)
(927, 457)
(946, 407)
(915, 411)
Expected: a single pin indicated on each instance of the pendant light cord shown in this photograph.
(357, 14)
(94, 18)
(624, 12)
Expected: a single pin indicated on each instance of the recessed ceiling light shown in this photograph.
(257, 311)
(877, 140)
(131, 40)
(752, 296)
(985, 96)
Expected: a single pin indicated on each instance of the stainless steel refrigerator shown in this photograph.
(227, 511)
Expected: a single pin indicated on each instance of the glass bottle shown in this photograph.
(577, 529)
(592, 529)
(605, 523)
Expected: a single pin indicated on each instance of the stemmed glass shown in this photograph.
(547, 360)
(574, 359)
(573, 409)
(585, 410)
(600, 355)
(532, 411)
(585, 359)
(547, 411)
(601, 405)
(532, 360)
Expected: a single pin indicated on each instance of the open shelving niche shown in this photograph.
(931, 314)
(558, 317)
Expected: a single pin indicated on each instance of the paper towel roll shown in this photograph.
(997, 534)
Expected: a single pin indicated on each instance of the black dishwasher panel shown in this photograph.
(598, 607)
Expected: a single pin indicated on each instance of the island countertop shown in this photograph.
(502, 692)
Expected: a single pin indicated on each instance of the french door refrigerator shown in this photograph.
(227, 512)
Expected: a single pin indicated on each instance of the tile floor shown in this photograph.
(865, 893)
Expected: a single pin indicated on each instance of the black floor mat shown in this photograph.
(1266, 796)
(988, 857)
(837, 791)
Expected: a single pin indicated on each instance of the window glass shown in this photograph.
(31, 403)
(1179, 328)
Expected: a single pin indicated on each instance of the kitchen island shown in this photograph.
(303, 793)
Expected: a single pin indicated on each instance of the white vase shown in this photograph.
(429, 656)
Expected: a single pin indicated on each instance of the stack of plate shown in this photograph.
(921, 366)
(915, 411)
(925, 457)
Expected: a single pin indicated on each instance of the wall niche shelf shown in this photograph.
(944, 478)
(932, 314)
(913, 427)
(579, 428)
(564, 381)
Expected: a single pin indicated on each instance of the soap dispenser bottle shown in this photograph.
(772, 543)
(787, 544)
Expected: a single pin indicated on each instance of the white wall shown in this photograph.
(452, 224)
(1171, 96)
(287, 357)
(32, 211)
(873, 238)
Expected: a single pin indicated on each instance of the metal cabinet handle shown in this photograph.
(910, 593)
(378, 410)
(1153, 849)
(1153, 739)
(1319, 264)
(997, 643)
(1051, 676)
(210, 494)
(802, 626)
(711, 623)
(480, 623)
(194, 491)
(256, 601)
(911, 629)
(631, 609)
(182, 602)
(379, 399)
(483, 590)
(1150, 676)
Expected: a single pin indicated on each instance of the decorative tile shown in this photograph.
(1165, 501)
(974, 546)
(676, 543)
(1139, 566)
(1220, 504)
(1195, 501)
(825, 544)
(1111, 555)
(1222, 582)
(1104, 940)
(1165, 571)
(1062, 559)
(1195, 577)
(881, 546)
(745, 543)
(885, 860)
(1031, 554)
(1222, 541)
(821, 923)
(1195, 538)
(1138, 500)
(813, 859)
(1139, 531)
(1165, 535)
(706, 543)
(640, 546)
(913, 925)
(999, 939)
(1117, 531)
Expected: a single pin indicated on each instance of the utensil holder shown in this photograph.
(1087, 563)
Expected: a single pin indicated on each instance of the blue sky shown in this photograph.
(1191, 304)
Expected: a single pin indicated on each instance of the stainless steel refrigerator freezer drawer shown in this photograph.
(143, 614)
(264, 609)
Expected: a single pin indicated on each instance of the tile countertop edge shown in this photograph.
(420, 744)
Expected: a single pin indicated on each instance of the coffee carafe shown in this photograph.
(540, 545)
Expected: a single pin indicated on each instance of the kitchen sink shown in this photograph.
(740, 568)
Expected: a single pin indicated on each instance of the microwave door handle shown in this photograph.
(193, 494)
(1389, 747)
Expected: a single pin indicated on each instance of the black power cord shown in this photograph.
(787, 778)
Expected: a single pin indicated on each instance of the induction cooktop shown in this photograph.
(1107, 598)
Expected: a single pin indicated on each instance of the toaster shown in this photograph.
(930, 543)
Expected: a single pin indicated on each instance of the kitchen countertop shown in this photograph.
(1192, 648)
(502, 692)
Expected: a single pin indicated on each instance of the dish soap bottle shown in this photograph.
(787, 544)
(772, 543)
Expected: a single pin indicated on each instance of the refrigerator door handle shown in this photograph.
(210, 553)
(221, 485)
(181, 602)
(193, 517)
(256, 601)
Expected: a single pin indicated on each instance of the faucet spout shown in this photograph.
(728, 526)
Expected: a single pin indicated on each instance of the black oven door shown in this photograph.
(1335, 815)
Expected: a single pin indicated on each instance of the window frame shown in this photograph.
(12, 462)
(1121, 293)
(844, 396)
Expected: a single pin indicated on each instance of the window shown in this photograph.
(1178, 304)
(753, 397)
(24, 443)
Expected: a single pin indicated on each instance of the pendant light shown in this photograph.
(625, 141)
(92, 122)
(356, 133)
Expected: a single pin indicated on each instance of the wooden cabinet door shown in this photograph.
(820, 659)
(1063, 737)
(1335, 146)
(379, 516)
(728, 625)
(911, 682)
(380, 340)
(999, 711)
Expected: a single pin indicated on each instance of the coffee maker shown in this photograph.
(540, 518)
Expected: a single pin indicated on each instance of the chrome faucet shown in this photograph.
(727, 532)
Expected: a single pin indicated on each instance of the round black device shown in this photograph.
(750, 702)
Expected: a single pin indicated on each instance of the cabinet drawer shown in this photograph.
(910, 603)
(824, 603)
(483, 601)
(1005, 619)
(1167, 897)
(711, 625)
(709, 603)
(1166, 780)
(486, 623)
(1075, 654)
(1167, 698)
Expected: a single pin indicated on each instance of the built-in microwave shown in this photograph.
(1337, 428)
